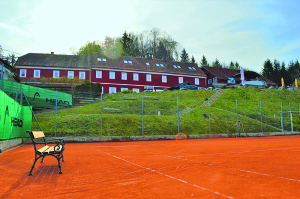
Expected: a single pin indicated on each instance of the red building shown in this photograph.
(220, 77)
(114, 73)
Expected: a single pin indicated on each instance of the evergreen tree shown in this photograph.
(184, 56)
(267, 70)
(276, 77)
(193, 60)
(237, 66)
(216, 64)
(126, 43)
(203, 61)
(283, 74)
(231, 65)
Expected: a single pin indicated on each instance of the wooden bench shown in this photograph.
(53, 147)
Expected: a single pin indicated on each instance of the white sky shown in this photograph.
(246, 31)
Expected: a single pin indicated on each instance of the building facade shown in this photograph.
(114, 73)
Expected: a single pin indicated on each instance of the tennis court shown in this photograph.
(265, 167)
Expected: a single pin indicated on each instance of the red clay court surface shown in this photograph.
(266, 167)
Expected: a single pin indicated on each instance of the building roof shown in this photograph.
(224, 73)
(94, 61)
(6, 64)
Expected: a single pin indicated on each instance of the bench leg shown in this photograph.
(62, 157)
(59, 165)
(30, 173)
(42, 159)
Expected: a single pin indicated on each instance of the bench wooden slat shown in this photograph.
(50, 149)
(38, 134)
(43, 149)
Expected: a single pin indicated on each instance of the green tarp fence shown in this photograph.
(37, 97)
(15, 119)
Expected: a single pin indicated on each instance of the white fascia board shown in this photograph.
(54, 68)
(148, 72)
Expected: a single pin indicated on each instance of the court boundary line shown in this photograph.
(178, 179)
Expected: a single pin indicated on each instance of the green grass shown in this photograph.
(160, 114)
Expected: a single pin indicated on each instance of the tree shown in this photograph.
(193, 60)
(90, 48)
(203, 61)
(1, 52)
(237, 66)
(276, 77)
(267, 70)
(283, 74)
(126, 44)
(184, 56)
(231, 65)
(216, 64)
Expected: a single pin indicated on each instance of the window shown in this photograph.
(215, 80)
(147, 63)
(209, 81)
(81, 75)
(124, 76)
(157, 64)
(101, 59)
(180, 80)
(55, 74)
(174, 66)
(178, 66)
(23, 73)
(124, 89)
(135, 90)
(37, 74)
(148, 78)
(70, 74)
(197, 81)
(135, 77)
(125, 62)
(112, 90)
(111, 75)
(231, 80)
(164, 79)
(98, 74)
(161, 65)
(129, 62)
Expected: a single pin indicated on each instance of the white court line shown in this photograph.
(207, 154)
(180, 180)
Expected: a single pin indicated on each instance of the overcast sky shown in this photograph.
(246, 31)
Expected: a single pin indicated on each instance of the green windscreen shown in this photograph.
(15, 119)
(37, 97)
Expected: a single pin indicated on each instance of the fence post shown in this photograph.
(142, 115)
(2, 74)
(209, 117)
(101, 115)
(55, 112)
(262, 130)
(237, 117)
(21, 100)
(281, 115)
(291, 116)
(178, 113)
(16, 97)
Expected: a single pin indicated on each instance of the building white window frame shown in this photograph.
(209, 81)
(21, 72)
(70, 74)
(196, 81)
(124, 89)
(124, 76)
(56, 73)
(98, 74)
(215, 80)
(135, 90)
(112, 90)
(37, 73)
(180, 80)
(112, 75)
(135, 77)
(81, 75)
(148, 77)
(164, 79)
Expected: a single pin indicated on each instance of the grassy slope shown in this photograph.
(86, 120)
